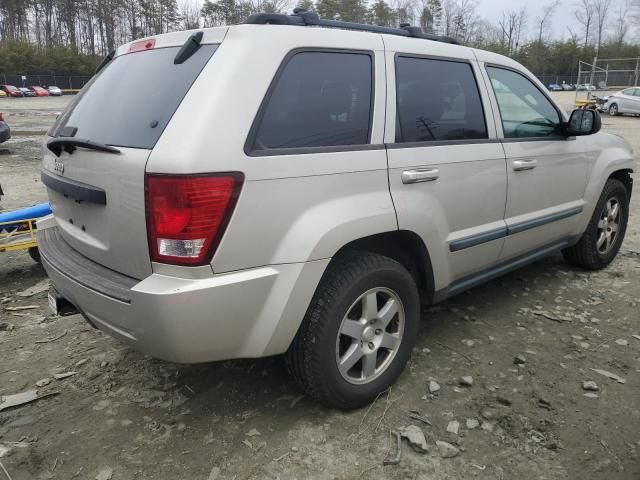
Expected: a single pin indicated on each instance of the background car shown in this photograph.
(554, 87)
(3, 93)
(5, 131)
(11, 91)
(27, 93)
(54, 91)
(586, 87)
(39, 91)
(626, 101)
(567, 87)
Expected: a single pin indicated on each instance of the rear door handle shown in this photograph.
(520, 165)
(420, 175)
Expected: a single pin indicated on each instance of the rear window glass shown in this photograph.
(131, 100)
(437, 100)
(320, 99)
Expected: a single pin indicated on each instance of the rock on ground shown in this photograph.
(416, 438)
(447, 450)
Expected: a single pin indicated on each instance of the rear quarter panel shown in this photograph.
(292, 208)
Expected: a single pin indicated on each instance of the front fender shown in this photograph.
(615, 154)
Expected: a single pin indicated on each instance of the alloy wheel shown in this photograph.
(608, 225)
(370, 335)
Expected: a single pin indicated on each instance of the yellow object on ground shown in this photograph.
(18, 235)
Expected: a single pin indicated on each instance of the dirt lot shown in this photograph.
(122, 415)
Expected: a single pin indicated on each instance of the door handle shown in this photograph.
(520, 165)
(417, 176)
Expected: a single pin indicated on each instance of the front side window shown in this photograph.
(628, 91)
(525, 111)
(319, 99)
(437, 100)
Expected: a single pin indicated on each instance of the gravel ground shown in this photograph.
(122, 415)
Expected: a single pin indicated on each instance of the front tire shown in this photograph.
(613, 110)
(358, 332)
(604, 235)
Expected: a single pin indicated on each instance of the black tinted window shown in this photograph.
(130, 101)
(525, 111)
(437, 100)
(319, 99)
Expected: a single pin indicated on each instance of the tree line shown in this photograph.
(71, 36)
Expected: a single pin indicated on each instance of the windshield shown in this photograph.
(131, 100)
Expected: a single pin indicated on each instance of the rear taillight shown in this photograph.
(1, 118)
(188, 214)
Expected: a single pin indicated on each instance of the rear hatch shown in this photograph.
(98, 149)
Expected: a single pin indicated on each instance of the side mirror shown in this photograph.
(583, 122)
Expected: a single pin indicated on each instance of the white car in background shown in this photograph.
(54, 91)
(626, 101)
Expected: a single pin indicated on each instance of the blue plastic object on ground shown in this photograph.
(35, 211)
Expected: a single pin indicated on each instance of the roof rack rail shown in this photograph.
(302, 18)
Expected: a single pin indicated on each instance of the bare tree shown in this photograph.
(542, 22)
(448, 14)
(621, 23)
(511, 27)
(189, 15)
(601, 8)
(585, 17)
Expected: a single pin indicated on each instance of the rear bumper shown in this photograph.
(245, 314)
(5, 132)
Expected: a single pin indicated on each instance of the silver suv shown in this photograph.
(285, 186)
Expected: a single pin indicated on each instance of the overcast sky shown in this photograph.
(563, 16)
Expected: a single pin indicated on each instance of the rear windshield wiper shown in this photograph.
(69, 144)
(190, 47)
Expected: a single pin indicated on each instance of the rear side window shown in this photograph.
(318, 99)
(130, 101)
(437, 100)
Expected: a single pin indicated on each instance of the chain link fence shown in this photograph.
(65, 82)
(610, 72)
(603, 73)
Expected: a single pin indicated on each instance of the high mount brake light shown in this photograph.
(142, 45)
(188, 214)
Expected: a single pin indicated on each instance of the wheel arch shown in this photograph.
(404, 246)
(624, 175)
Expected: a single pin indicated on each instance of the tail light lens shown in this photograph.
(188, 214)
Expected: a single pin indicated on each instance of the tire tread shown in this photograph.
(303, 358)
(584, 254)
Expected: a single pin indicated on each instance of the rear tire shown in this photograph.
(604, 235)
(358, 294)
(34, 253)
